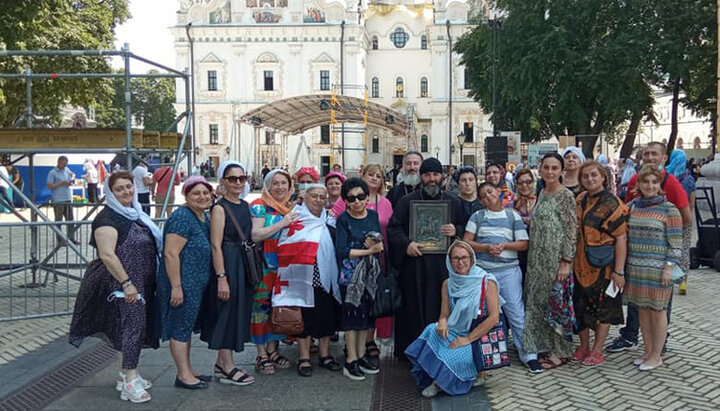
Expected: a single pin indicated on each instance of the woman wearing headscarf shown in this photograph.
(495, 174)
(116, 300)
(225, 317)
(270, 214)
(678, 168)
(303, 177)
(322, 319)
(443, 356)
(603, 160)
(183, 276)
(573, 158)
(628, 172)
(333, 182)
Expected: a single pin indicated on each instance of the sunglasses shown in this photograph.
(236, 179)
(359, 197)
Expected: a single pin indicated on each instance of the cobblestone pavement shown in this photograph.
(690, 379)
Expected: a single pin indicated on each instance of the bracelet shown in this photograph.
(620, 273)
(221, 275)
(566, 260)
(126, 283)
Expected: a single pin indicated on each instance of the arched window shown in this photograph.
(399, 88)
(424, 143)
(424, 87)
(375, 88)
(423, 42)
(375, 144)
(374, 42)
(399, 38)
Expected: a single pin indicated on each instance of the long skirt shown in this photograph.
(593, 306)
(226, 324)
(322, 320)
(452, 369)
(261, 308)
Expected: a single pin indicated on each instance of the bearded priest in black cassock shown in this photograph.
(420, 275)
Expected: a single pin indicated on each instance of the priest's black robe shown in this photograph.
(420, 278)
(399, 191)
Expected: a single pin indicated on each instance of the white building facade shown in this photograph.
(248, 53)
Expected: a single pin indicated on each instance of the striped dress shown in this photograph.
(654, 237)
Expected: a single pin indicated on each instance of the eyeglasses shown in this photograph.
(319, 197)
(236, 179)
(359, 197)
(464, 259)
(524, 182)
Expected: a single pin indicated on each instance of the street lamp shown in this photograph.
(461, 141)
(437, 151)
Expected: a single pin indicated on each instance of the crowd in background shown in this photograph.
(541, 254)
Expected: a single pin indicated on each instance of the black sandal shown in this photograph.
(372, 350)
(264, 366)
(329, 363)
(304, 367)
(278, 360)
(229, 378)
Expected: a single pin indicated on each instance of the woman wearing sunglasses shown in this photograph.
(352, 246)
(225, 318)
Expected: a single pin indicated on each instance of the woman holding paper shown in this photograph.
(599, 277)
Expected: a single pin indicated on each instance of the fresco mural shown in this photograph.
(266, 16)
(221, 15)
(313, 14)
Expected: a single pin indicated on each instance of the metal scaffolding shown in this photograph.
(131, 148)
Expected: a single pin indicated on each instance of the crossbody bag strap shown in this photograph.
(229, 212)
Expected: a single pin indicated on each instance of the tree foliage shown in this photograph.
(151, 104)
(588, 67)
(53, 25)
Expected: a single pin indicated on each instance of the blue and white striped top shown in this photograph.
(495, 227)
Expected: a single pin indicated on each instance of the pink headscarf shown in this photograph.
(308, 170)
(335, 174)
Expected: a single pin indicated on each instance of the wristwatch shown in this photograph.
(221, 275)
(620, 273)
(670, 264)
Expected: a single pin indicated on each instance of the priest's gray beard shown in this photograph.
(411, 179)
(432, 190)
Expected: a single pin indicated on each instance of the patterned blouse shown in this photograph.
(258, 209)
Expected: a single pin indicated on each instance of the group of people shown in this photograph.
(543, 264)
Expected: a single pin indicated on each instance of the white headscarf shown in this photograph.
(133, 213)
(576, 151)
(221, 172)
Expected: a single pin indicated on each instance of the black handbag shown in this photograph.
(254, 257)
(387, 296)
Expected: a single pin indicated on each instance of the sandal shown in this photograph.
(580, 354)
(372, 350)
(304, 367)
(278, 360)
(549, 364)
(229, 378)
(264, 366)
(593, 360)
(329, 363)
(314, 349)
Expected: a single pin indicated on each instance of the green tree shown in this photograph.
(575, 67)
(53, 25)
(151, 104)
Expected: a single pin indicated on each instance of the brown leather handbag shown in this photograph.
(286, 320)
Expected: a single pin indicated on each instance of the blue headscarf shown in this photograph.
(628, 171)
(602, 159)
(133, 213)
(678, 164)
(576, 151)
(464, 292)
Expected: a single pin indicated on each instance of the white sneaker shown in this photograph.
(430, 391)
(147, 384)
(133, 391)
(480, 380)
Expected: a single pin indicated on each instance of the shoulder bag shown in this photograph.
(387, 296)
(490, 351)
(287, 321)
(598, 256)
(254, 257)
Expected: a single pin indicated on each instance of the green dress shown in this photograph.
(553, 236)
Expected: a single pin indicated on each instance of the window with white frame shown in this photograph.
(375, 88)
(212, 80)
(375, 144)
(268, 80)
(214, 134)
(324, 79)
(424, 87)
(424, 143)
(399, 88)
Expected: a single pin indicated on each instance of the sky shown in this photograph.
(148, 34)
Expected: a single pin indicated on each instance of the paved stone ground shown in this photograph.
(690, 379)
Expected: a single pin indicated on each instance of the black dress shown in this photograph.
(322, 320)
(226, 324)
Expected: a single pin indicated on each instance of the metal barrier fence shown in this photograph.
(43, 280)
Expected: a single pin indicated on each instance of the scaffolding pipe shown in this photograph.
(178, 159)
(128, 114)
(86, 75)
(13, 53)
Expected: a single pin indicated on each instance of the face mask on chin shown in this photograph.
(411, 179)
(432, 190)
